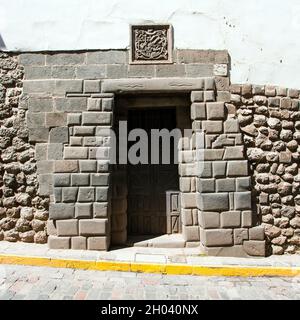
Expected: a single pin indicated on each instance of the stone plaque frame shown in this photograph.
(161, 36)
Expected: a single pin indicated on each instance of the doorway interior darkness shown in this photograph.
(139, 207)
(148, 183)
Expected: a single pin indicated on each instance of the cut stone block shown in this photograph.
(242, 200)
(59, 135)
(78, 243)
(86, 194)
(231, 126)
(204, 169)
(234, 153)
(237, 168)
(80, 179)
(100, 210)
(215, 110)
(216, 237)
(187, 217)
(61, 166)
(101, 194)
(58, 242)
(198, 111)
(257, 233)
(243, 184)
(209, 220)
(213, 202)
(69, 194)
(247, 219)
(83, 210)
(239, 235)
(74, 119)
(225, 185)
(219, 169)
(190, 233)
(96, 118)
(255, 248)
(92, 227)
(212, 126)
(61, 180)
(88, 165)
(197, 96)
(185, 184)
(206, 185)
(100, 179)
(67, 227)
(75, 153)
(230, 219)
(61, 211)
(91, 86)
(98, 243)
(188, 200)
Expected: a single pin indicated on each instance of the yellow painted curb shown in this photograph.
(170, 269)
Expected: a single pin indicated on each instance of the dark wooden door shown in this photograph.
(148, 183)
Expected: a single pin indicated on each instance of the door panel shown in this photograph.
(147, 183)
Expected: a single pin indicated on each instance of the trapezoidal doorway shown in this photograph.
(148, 183)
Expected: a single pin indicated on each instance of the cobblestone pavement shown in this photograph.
(26, 282)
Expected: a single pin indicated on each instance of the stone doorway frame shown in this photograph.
(181, 104)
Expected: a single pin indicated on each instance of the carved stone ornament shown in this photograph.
(151, 44)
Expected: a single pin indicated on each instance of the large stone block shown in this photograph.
(78, 243)
(80, 179)
(107, 57)
(237, 168)
(59, 135)
(239, 235)
(215, 110)
(45, 87)
(216, 237)
(212, 126)
(96, 118)
(67, 227)
(204, 169)
(242, 200)
(100, 209)
(255, 248)
(86, 194)
(88, 165)
(73, 104)
(234, 153)
(65, 166)
(231, 126)
(191, 233)
(93, 227)
(98, 243)
(83, 210)
(209, 220)
(209, 154)
(219, 169)
(257, 233)
(198, 111)
(188, 200)
(45, 184)
(230, 219)
(197, 96)
(33, 59)
(63, 72)
(206, 185)
(225, 185)
(58, 242)
(100, 179)
(247, 219)
(75, 153)
(74, 119)
(61, 180)
(243, 184)
(62, 59)
(56, 119)
(67, 86)
(38, 134)
(69, 194)
(91, 72)
(213, 202)
(35, 120)
(91, 86)
(61, 211)
(40, 104)
(101, 194)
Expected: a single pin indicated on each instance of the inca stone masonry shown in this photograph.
(56, 107)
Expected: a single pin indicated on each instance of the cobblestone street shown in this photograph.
(27, 282)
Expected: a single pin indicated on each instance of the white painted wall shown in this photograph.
(262, 36)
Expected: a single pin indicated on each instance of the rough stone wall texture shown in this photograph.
(23, 213)
(269, 118)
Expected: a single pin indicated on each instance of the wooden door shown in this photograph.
(147, 183)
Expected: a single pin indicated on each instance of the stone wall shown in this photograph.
(23, 213)
(269, 118)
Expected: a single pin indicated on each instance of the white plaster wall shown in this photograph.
(262, 36)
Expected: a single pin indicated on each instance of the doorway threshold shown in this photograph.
(163, 241)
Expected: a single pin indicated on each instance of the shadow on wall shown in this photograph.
(2, 43)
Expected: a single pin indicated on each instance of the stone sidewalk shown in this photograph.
(44, 283)
(182, 256)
